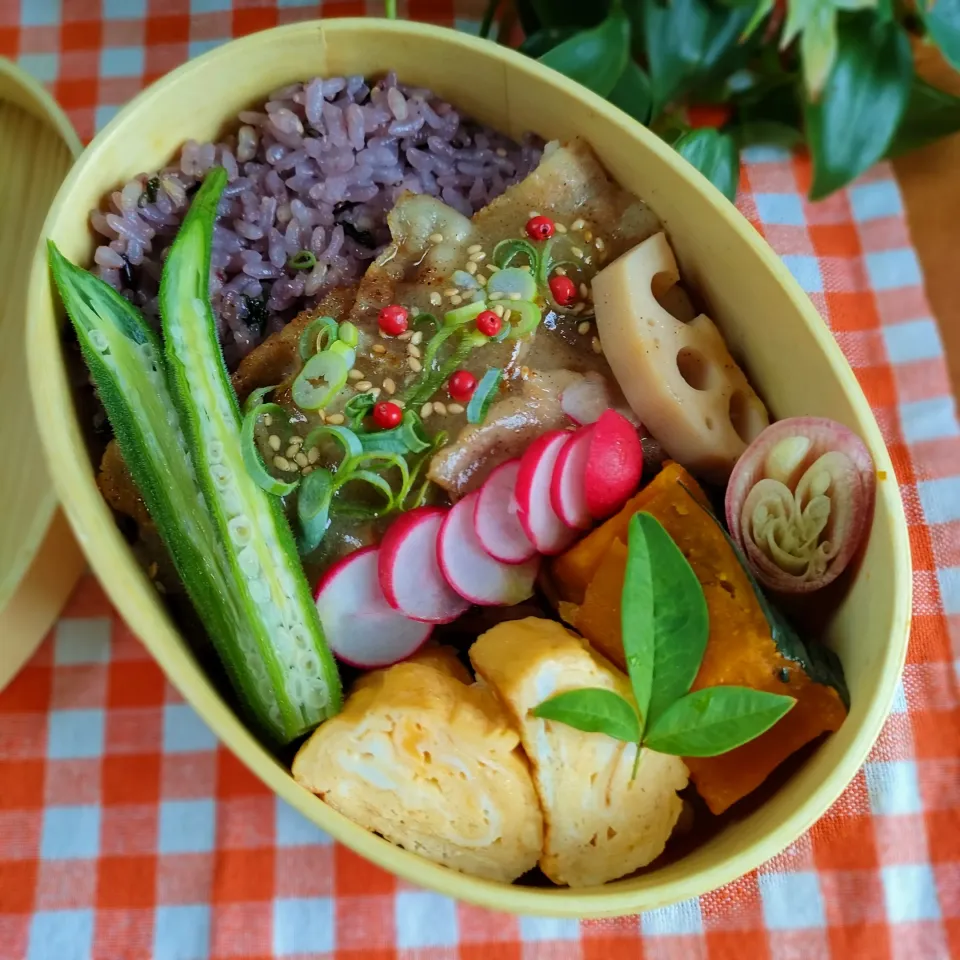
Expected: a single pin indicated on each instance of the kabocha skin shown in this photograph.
(298, 671)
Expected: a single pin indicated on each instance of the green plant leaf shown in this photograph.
(688, 42)
(761, 11)
(715, 720)
(539, 43)
(854, 121)
(767, 132)
(818, 47)
(715, 155)
(942, 20)
(593, 710)
(594, 57)
(632, 92)
(637, 617)
(570, 13)
(930, 115)
(681, 624)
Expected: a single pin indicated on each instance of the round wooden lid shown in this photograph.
(39, 559)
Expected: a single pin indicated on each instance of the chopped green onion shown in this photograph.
(327, 366)
(319, 332)
(349, 333)
(464, 280)
(303, 260)
(506, 251)
(464, 314)
(423, 319)
(313, 509)
(251, 455)
(407, 437)
(512, 281)
(408, 500)
(347, 439)
(255, 398)
(343, 350)
(375, 481)
(530, 317)
(434, 345)
(427, 386)
(503, 332)
(298, 685)
(357, 408)
(483, 396)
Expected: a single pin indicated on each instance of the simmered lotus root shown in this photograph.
(678, 377)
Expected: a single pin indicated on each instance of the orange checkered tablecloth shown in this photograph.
(127, 832)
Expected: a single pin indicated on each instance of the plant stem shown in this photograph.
(488, 15)
(390, 9)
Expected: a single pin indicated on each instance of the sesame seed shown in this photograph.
(414, 364)
(597, 347)
(363, 386)
(336, 419)
(493, 268)
(281, 463)
(451, 292)
(478, 256)
(296, 440)
(525, 372)
(291, 451)
(435, 238)
(313, 456)
(456, 299)
(577, 252)
(584, 292)
(414, 311)
(400, 403)
(406, 335)
(379, 348)
(500, 152)
(584, 328)
(274, 441)
(527, 268)
(588, 236)
(307, 471)
(426, 409)
(471, 267)
(375, 393)
(321, 415)
(579, 307)
(436, 299)
(355, 374)
(561, 271)
(474, 248)
(413, 351)
(560, 227)
(454, 408)
(598, 243)
(389, 387)
(578, 224)
(514, 296)
(267, 420)
(440, 408)
(497, 295)
(481, 279)
(534, 213)
(301, 460)
(499, 310)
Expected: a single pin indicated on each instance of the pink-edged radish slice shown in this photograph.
(568, 486)
(471, 571)
(548, 533)
(361, 627)
(495, 517)
(799, 502)
(614, 464)
(585, 399)
(410, 575)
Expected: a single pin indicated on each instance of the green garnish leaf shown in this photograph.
(464, 314)
(313, 509)
(251, 455)
(408, 437)
(358, 408)
(715, 720)
(484, 395)
(344, 436)
(506, 251)
(303, 260)
(593, 710)
(636, 615)
(319, 333)
(255, 398)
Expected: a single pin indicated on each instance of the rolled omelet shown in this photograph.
(430, 761)
(600, 824)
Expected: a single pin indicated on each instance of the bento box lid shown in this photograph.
(39, 559)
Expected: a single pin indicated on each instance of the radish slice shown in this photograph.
(568, 486)
(471, 571)
(799, 501)
(410, 575)
(495, 517)
(584, 400)
(361, 627)
(614, 464)
(548, 533)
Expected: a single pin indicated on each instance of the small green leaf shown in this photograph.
(593, 710)
(681, 623)
(594, 57)
(930, 115)
(715, 155)
(637, 616)
(715, 720)
(818, 47)
(632, 92)
(942, 20)
(761, 11)
(852, 125)
(799, 14)
(537, 44)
